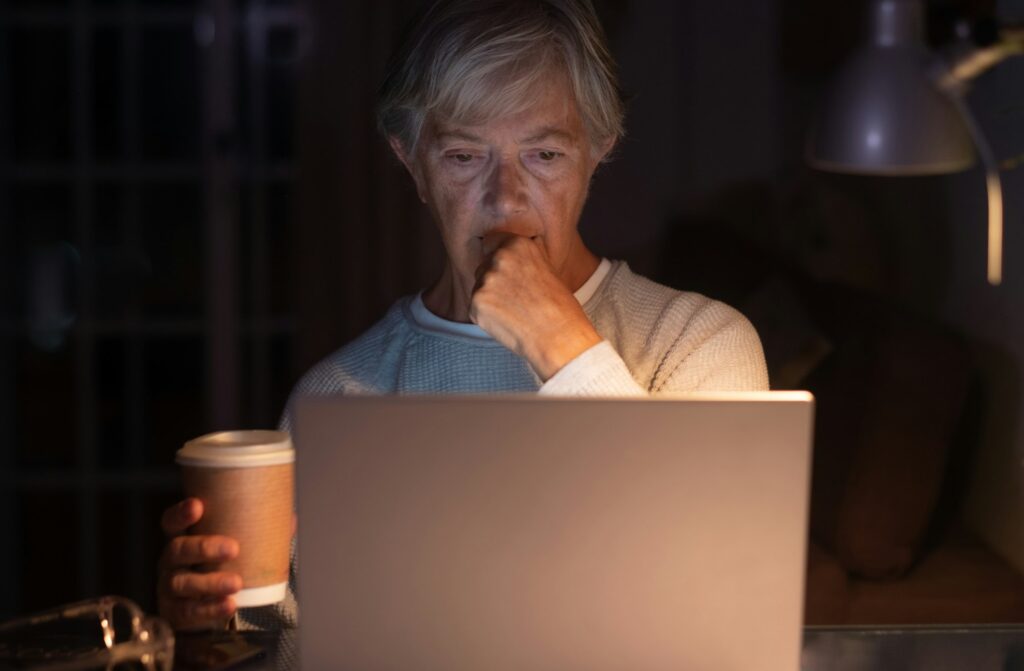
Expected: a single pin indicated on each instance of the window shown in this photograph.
(146, 180)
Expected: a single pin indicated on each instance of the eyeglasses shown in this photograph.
(110, 633)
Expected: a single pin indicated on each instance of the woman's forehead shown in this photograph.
(548, 110)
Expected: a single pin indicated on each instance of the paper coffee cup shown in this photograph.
(246, 482)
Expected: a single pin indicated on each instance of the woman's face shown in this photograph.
(525, 174)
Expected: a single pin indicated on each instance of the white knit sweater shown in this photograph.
(656, 339)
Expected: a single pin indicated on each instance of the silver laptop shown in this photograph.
(513, 532)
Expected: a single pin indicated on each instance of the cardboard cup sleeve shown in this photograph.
(245, 480)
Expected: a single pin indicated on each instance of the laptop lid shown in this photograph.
(508, 532)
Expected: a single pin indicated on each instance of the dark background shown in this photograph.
(195, 207)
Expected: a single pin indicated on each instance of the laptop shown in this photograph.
(529, 533)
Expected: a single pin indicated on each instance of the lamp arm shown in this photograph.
(953, 80)
(993, 188)
(956, 75)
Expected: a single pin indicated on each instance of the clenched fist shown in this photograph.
(520, 301)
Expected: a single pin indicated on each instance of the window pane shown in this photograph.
(267, 3)
(172, 232)
(46, 412)
(147, 4)
(282, 51)
(111, 403)
(42, 213)
(48, 524)
(43, 236)
(282, 373)
(152, 540)
(170, 103)
(129, 540)
(281, 270)
(122, 266)
(176, 4)
(108, 92)
(253, 401)
(40, 93)
(270, 272)
(37, 4)
(113, 538)
(45, 374)
(10, 252)
(175, 373)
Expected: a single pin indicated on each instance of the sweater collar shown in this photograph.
(428, 321)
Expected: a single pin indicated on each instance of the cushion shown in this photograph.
(890, 395)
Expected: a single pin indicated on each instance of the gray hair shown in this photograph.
(470, 61)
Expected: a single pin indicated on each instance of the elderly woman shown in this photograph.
(501, 110)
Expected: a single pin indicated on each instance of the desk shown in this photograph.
(954, 648)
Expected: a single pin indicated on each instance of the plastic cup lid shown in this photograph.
(237, 449)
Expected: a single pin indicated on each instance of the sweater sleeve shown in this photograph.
(598, 371)
(730, 358)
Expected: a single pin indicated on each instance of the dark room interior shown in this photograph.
(196, 207)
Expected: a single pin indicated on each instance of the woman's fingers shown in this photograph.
(189, 599)
(179, 517)
(188, 550)
(199, 614)
(187, 584)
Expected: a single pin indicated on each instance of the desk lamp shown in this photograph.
(896, 109)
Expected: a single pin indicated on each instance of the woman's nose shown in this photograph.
(505, 195)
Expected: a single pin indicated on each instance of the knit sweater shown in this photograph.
(656, 340)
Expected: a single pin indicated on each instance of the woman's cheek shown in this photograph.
(455, 209)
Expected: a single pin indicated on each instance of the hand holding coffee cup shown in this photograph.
(188, 596)
(240, 515)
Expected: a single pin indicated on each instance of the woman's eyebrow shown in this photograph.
(548, 132)
(544, 133)
(455, 134)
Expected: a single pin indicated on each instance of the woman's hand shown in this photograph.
(189, 594)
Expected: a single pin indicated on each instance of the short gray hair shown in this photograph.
(470, 61)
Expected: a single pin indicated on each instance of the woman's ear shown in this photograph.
(410, 166)
(602, 150)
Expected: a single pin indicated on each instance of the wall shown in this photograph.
(994, 316)
(704, 113)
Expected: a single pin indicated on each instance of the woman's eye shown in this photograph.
(548, 156)
(461, 158)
